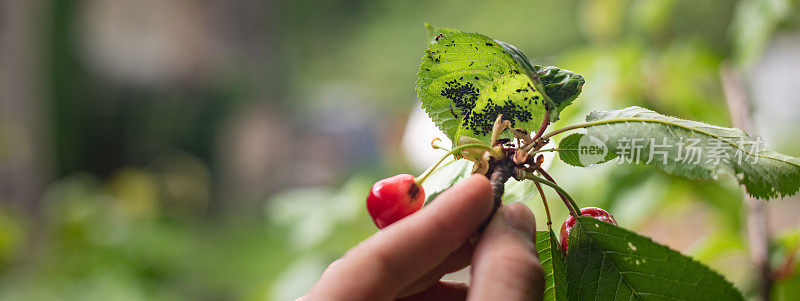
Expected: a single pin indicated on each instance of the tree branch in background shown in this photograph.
(758, 234)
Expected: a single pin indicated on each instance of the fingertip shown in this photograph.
(482, 184)
(477, 187)
(479, 178)
(472, 195)
(463, 207)
(519, 217)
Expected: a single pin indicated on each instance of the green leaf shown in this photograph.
(555, 283)
(695, 150)
(560, 85)
(467, 79)
(435, 31)
(445, 177)
(610, 263)
(569, 150)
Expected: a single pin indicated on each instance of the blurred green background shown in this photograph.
(222, 150)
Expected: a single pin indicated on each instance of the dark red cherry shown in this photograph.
(394, 198)
(595, 212)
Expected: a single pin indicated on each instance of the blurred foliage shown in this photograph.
(787, 271)
(117, 240)
(137, 211)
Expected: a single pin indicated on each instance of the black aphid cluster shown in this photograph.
(463, 95)
(481, 123)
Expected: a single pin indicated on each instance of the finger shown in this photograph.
(441, 290)
(459, 259)
(408, 249)
(505, 265)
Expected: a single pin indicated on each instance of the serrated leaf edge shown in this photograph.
(584, 219)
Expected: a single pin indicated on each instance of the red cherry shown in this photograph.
(595, 212)
(394, 198)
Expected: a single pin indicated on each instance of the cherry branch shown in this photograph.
(498, 175)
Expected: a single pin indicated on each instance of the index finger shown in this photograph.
(406, 250)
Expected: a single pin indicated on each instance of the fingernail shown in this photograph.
(518, 217)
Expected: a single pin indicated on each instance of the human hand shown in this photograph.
(407, 258)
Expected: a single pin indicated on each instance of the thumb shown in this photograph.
(505, 265)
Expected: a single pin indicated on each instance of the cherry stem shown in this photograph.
(549, 178)
(544, 202)
(607, 121)
(419, 180)
(545, 123)
(561, 192)
(547, 150)
(564, 129)
(588, 124)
